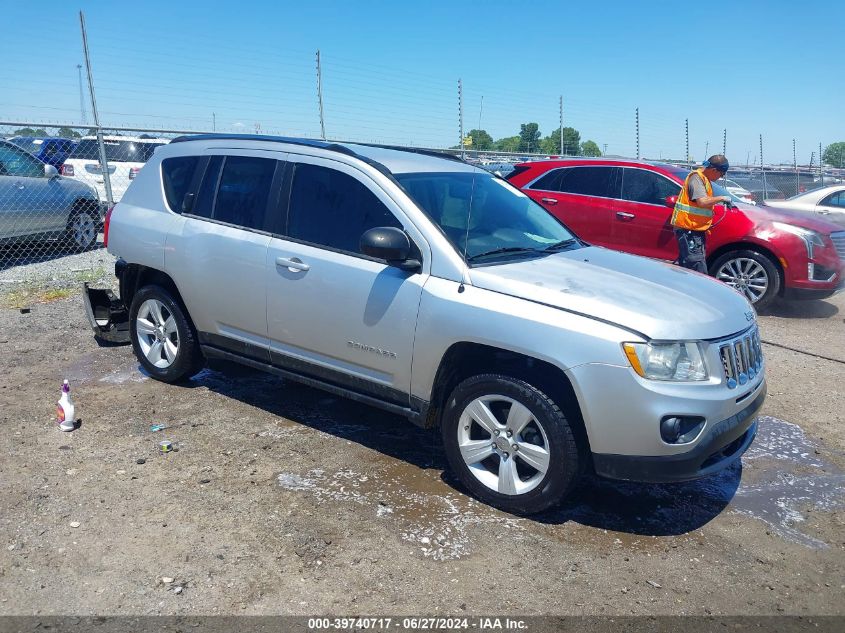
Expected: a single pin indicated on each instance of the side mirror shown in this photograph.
(391, 244)
(50, 172)
(671, 201)
(188, 202)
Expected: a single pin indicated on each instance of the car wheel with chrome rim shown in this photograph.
(750, 273)
(510, 444)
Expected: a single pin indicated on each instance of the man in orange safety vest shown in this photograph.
(693, 214)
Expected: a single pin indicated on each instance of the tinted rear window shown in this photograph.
(176, 174)
(591, 181)
(117, 151)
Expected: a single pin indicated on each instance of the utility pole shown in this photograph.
(795, 166)
(821, 165)
(320, 96)
(81, 96)
(637, 119)
(213, 121)
(762, 171)
(461, 116)
(480, 110)
(706, 149)
(605, 150)
(104, 166)
(561, 126)
(686, 133)
(725, 142)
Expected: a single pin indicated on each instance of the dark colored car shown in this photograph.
(49, 150)
(626, 205)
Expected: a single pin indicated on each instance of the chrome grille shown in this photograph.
(838, 239)
(742, 358)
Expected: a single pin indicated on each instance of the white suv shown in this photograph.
(125, 156)
(436, 290)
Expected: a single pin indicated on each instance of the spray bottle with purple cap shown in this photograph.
(65, 411)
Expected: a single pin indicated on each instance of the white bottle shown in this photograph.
(65, 411)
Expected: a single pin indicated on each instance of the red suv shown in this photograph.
(626, 205)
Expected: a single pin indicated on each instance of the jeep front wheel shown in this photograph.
(510, 444)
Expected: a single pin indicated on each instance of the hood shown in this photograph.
(659, 300)
(806, 219)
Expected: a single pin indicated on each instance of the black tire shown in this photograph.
(187, 359)
(565, 460)
(726, 267)
(82, 228)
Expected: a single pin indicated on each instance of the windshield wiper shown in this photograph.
(563, 245)
(506, 249)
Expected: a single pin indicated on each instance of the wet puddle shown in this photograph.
(782, 480)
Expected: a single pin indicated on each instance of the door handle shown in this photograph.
(293, 264)
(20, 185)
(548, 200)
(823, 211)
(624, 216)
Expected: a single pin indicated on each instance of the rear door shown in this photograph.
(641, 219)
(583, 197)
(218, 254)
(833, 208)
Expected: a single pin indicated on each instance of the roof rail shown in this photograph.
(414, 150)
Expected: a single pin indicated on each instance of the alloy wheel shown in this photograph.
(503, 444)
(157, 333)
(746, 276)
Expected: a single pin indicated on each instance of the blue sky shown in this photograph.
(391, 69)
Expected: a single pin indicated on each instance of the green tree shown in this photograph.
(571, 142)
(28, 131)
(590, 148)
(529, 137)
(480, 139)
(507, 144)
(66, 132)
(835, 154)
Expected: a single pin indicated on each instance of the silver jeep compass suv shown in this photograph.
(415, 282)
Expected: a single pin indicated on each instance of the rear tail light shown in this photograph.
(133, 171)
(106, 223)
(67, 170)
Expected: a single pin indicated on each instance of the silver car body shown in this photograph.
(827, 202)
(34, 200)
(366, 320)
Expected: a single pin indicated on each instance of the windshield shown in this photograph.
(116, 151)
(502, 223)
(31, 145)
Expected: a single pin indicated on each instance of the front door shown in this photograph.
(833, 208)
(332, 312)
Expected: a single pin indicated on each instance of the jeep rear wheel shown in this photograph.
(163, 339)
(510, 444)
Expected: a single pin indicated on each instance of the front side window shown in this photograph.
(602, 182)
(244, 190)
(484, 217)
(16, 162)
(639, 185)
(331, 208)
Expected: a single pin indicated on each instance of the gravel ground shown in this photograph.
(284, 500)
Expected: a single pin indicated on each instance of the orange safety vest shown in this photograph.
(687, 215)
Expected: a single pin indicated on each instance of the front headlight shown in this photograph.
(810, 237)
(667, 361)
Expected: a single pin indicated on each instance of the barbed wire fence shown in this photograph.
(97, 130)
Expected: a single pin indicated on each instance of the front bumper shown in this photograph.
(721, 447)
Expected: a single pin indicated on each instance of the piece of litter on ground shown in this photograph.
(654, 584)
(166, 580)
(178, 590)
(75, 524)
(157, 427)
